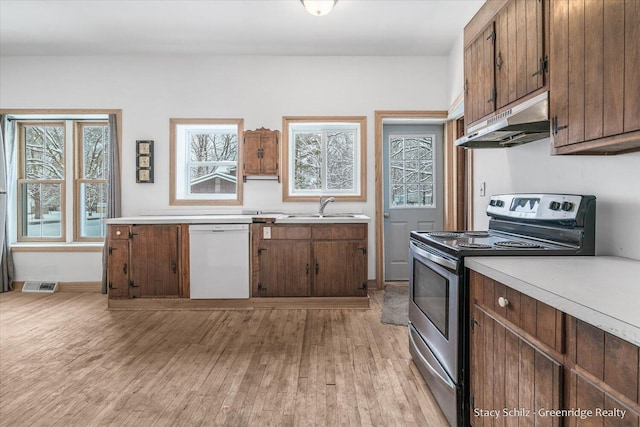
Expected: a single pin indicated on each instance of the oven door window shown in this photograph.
(431, 295)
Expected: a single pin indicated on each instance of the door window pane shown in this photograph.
(411, 170)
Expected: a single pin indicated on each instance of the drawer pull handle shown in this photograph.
(118, 233)
(503, 302)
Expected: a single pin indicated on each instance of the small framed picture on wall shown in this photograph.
(144, 161)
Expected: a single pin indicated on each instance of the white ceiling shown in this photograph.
(231, 27)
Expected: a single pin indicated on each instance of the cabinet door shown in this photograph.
(118, 268)
(340, 269)
(519, 50)
(251, 160)
(269, 153)
(479, 75)
(507, 373)
(594, 48)
(284, 268)
(154, 258)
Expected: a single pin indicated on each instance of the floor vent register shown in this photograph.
(40, 287)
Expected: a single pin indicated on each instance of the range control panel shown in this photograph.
(554, 207)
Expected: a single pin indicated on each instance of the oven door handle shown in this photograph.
(433, 257)
(445, 379)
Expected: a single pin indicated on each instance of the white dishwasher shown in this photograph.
(219, 258)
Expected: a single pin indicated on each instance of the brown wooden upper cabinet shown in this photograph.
(504, 57)
(595, 82)
(261, 154)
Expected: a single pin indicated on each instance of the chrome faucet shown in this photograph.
(324, 203)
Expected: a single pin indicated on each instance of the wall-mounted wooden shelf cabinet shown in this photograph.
(261, 153)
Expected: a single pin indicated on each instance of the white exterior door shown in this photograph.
(413, 190)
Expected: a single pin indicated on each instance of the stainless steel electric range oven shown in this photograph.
(520, 224)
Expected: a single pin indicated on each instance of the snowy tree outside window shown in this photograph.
(411, 170)
(325, 158)
(206, 161)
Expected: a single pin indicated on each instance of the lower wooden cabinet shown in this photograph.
(285, 268)
(145, 261)
(515, 366)
(603, 372)
(531, 364)
(323, 260)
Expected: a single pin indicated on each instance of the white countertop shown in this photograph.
(237, 219)
(183, 219)
(603, 291)
(304, 219)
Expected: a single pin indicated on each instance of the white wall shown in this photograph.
(150, 90)
(456, 69)
(614, 180)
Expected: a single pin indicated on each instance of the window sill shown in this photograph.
(58, 247)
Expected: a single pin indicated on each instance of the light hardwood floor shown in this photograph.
(65, 360)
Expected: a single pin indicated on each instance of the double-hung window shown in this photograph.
(62, 173)
(324, 157)
(204, 161)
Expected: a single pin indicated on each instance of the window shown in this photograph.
(91, 183)
(324, 157)
(204, 161)
(411, 170)
(62, 168)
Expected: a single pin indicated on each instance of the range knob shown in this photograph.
(554, 206)
(499, 203)
(567, 206)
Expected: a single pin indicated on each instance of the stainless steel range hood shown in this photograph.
(525, 122)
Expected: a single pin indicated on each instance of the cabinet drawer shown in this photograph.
(288, 232)
(340, 232)
(538, 319)
(119, 232)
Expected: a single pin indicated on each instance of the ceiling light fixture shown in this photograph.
(318, 7)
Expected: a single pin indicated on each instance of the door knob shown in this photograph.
(386, 214)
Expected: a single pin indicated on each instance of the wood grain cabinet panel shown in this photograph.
(479, 86)
(510, 376)
(594, 102)
(145, 261)
(320, 260)
(285, 268)
(118, 268)
(506, 60)
(531, 356)
(519, 50)
(261, 153)
(340, 269)
(155, 260)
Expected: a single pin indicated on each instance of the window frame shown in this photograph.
(21, 126)
(288, 195)
(175, 198)
(78, 178)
